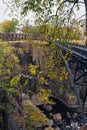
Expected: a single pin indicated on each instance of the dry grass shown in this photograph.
(82, 42)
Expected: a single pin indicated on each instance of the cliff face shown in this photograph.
(37, 54)
(15, 117)
(11, 112)
(3, 114)
(12, 116)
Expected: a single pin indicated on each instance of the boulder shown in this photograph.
(57, 118)
(49, 128)
(49, 123)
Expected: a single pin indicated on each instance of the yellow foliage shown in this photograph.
(20, 51)
(9, 26)
(61, 91)
(33, 69)
(26, 82)
(15, 81)
(43, 81)
(9, 62)
(45, 94)
(55, 68)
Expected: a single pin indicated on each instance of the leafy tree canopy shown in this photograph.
(50, 8)
(9, 26)
(58, 13)
(59, 9)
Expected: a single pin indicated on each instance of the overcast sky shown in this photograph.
(4, 13)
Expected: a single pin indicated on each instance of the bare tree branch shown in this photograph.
(81, 16)
(75, 1)
(50, 17)
(73, 7)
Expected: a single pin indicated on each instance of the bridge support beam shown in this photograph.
(75, 89)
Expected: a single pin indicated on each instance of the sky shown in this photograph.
(5, 14)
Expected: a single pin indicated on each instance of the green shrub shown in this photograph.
(33, 116)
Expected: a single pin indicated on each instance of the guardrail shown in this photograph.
(77, 50)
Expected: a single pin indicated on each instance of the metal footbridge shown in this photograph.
(77, 69)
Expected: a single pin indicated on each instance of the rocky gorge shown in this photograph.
(30, 108)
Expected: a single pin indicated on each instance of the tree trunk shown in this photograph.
(86, 21)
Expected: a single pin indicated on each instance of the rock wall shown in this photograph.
(12, 116)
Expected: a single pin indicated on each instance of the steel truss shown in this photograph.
(79, 76)
(76, 92)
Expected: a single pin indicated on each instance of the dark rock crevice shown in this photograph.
(3, 110)
(58, 106)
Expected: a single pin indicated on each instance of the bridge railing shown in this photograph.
(13, 36)
(22, 36)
